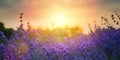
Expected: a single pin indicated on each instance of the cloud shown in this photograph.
(9, 4)
(113, 1)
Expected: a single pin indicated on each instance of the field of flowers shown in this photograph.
(31, 44)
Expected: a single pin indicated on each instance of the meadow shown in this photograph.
(63, 44)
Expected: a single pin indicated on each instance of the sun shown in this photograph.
(59, 20)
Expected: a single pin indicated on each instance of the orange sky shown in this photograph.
(77, 11)
(43, 12)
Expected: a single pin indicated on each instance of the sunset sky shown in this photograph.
(45, 12)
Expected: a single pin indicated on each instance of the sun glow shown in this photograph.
(61, 17)
(60, 20)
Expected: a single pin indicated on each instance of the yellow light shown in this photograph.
(59, 20)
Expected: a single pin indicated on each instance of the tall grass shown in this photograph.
(101, 44)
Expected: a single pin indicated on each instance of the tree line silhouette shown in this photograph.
(6, 31)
